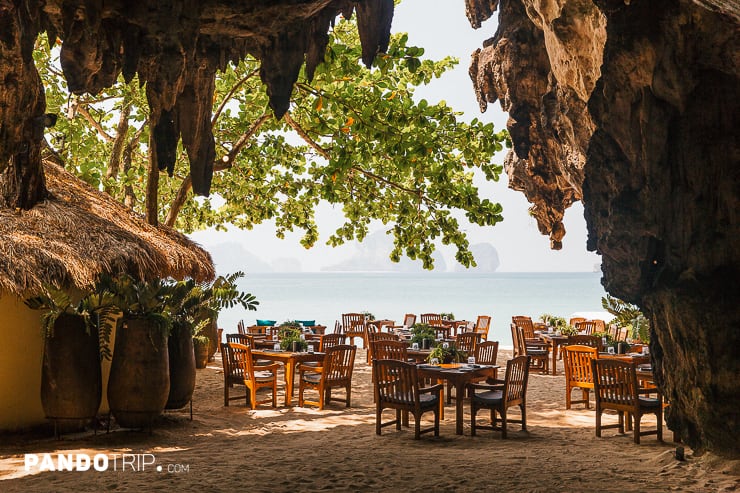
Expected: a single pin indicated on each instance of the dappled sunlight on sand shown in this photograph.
(337, 449)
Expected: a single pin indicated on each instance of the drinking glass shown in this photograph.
(471, 360)
(276, 347)
(415, 346)
(610, 350)
(434, 361)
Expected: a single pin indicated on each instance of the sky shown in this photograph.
(442, 29)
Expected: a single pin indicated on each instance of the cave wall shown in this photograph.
(175, 47)
(633, 108)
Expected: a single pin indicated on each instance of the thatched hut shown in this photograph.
(68, 240)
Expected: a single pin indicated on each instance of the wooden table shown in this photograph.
(379, 324)
(555, 342)
(455, 374)
(637, 358)
(289, 360)
(419, 355)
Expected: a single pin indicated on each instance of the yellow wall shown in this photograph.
(20, 366)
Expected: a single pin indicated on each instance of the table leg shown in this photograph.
(555, 347)
(460, 393)
(289, 370)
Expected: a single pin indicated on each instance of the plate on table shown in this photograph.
(645, 367)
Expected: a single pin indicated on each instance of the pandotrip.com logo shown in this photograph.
(82, 462)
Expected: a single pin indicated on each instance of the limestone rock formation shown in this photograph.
(634, 107)
(175, 47)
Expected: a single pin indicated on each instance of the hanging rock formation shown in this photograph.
(175, 47)
(633, 107)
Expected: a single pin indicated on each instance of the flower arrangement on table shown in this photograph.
(422, 332)
(447, 353)
(290, 332)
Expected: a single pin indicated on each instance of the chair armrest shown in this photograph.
(310, 369)
(497, 385)
(434, 388)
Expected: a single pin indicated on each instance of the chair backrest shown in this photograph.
(600, 325)
(244, 339)
(330, 340)
(613, 331)
(573, 321)
(373, 337)
(483, 324)
(339, 361)
(389, 349)
(515, 382)
(583, 340)
(409, 319)
(518, 350)
(526, 324)
(587, 326)
(622, 334)
(577, 362)
(466, 342)
(615, 383)
(238, 363)
(396, 382)
(486, 352)
(353, 322)
(240, 327)
(430, 318)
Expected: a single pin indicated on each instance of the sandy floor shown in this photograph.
(302, 449)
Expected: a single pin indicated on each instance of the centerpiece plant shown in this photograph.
(447, 354)
(290, 333)
(423, 335)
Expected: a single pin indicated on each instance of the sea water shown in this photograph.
(325, 296)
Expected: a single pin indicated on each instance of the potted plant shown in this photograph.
(200, 349)
(139, 381)
(447, 353)
(559, 324)
(290, 334)
(423, 335)
(222, 293)
(628, 315)
(447, 316)
(76, 336)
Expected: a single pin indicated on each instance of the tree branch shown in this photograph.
(225, 163)
(82, 110)
(114, 163)
(240, 83)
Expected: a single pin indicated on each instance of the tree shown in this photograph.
(353, 136)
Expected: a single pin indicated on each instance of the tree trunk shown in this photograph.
(22, 107)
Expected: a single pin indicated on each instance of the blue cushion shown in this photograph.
(268, 323)
(307, 323)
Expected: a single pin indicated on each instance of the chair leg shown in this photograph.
(598, 420)
(253, 397)
(398, 419)
(378, 416)
(436, 421)
(636, 426)
(349, 394)
(300, 395)
(226, 395)
(274, 392)
(568, 390)
(659, 416)
(523, 408)
(473, 410)
(586, 394)
(417, 426)
(503, 423)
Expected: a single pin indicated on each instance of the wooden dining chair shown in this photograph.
(240, 327)
(588, 327)
(578, 372)
(397, 387)
(573, 321)
(512, 391)
(335, 371)
(353, 325)
(482, 325)
(584, 340)
(539, 355)
(239, 369)
(616, 388)
(430, 318)
(377, 337)
(330, 340)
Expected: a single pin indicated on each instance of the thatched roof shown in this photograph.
(79, 233)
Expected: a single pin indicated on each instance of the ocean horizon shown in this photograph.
(324, 296)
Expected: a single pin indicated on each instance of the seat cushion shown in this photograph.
(428, 401)
(489, 397)
(263, 376)
(312, 377)
(649, 402)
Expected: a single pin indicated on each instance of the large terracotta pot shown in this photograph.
(182, 367)
(201, 354)
(139, 381)
(71, 382)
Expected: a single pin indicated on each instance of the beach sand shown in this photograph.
(303, 449)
